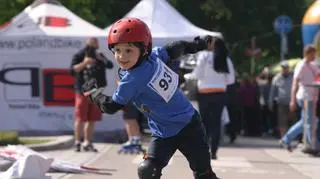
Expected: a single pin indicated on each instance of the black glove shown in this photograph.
(90, 89)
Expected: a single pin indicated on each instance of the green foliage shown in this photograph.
(10, 8)
(237, 20)
(8, 137)
(12, 137)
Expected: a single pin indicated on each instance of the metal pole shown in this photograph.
(284, 46)
(253, 55)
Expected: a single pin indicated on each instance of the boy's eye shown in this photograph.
(128, 50)
(116, 50)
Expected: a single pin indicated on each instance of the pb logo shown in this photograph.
(31, 83)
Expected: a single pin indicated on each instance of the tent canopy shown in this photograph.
(165, 22)
(38, 46)
(49, 17)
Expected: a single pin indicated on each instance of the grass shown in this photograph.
(12, 137)
(33, 141)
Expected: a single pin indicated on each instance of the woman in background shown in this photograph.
(214, 71)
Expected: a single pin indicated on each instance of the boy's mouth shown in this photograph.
(123, 63)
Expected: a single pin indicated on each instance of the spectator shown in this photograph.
(304, 73)
(281, 93)
(264, 84)
(214, 71)
(87, 64)
(233, 110)
(248, 94)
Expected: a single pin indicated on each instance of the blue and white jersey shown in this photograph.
(153, 88)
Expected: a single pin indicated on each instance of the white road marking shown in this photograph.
(139, 158)
(232, 162)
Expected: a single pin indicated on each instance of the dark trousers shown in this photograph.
(211, 106)
(251, 121)
(234, 125)
(266, 123)
(190, 141)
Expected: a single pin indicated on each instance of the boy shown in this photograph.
(153, 88)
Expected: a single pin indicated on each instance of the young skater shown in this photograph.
(152, 86)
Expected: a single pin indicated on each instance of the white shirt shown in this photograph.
(205, 74)
(306, 73)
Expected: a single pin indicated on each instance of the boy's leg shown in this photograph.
(158, 155)
(193, 146)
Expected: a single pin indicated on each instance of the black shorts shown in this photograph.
(131, 112)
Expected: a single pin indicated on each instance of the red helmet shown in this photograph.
(129, 30)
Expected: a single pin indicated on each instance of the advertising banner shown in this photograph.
(36, 89)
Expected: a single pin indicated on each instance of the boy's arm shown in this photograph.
(179, 48)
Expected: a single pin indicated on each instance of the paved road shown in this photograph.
(248, 159)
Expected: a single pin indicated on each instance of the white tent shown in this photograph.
(165, 22)
(49, 17)
(36, 49)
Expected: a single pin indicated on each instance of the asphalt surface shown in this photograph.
(247, 159)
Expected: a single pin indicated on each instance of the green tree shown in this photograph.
(237, 20)
(9, 9)
(241, 20)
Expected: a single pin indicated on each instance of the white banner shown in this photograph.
(36, 91)
(16, 44)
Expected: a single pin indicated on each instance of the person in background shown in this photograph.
(214, 72)
(281, 93)
(134, 144)
(305, 73)
(249, 99)
(85, 65)
(264, 84)
(233, 128)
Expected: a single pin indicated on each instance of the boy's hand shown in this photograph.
(90, 89)
(89, 86)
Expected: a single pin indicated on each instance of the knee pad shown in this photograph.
(149, 169)
(205, 175)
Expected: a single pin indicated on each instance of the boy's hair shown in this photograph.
(309, 49)
(141, 47)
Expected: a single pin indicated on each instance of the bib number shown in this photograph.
(164, 81)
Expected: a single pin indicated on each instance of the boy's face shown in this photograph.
(126, 54)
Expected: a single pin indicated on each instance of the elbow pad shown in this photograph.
(179, 48)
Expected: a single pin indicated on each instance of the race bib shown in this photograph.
(164, 81)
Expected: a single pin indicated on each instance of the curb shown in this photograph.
(58, 142)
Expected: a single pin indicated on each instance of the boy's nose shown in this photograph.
(120, 55)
